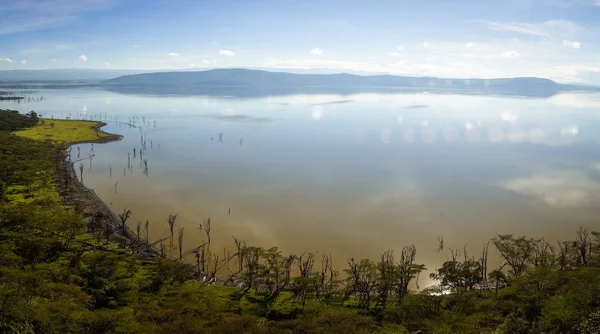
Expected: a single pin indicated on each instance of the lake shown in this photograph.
(347, 175)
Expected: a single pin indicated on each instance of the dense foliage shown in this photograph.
(59, 274)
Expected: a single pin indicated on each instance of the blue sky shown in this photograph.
(557, 39)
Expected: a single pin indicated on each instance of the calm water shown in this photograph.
(349, 175)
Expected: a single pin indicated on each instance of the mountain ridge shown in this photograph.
(235, 78)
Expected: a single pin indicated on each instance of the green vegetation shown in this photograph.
(60, 273)
(60, 131)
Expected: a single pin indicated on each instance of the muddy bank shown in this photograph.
(98, 215)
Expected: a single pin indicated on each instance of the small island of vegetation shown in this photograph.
(69, 268)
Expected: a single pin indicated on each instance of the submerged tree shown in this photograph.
(172, 219)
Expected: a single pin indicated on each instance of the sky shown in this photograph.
(555, 39)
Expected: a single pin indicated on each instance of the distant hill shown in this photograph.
(257, 79)
(61, 75)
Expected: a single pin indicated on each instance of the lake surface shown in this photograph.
(347, 175)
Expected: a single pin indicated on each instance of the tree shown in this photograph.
(457, 275)
(516, 252)
(171, 221)
(33, 115)
(498, 277)
(124, 217)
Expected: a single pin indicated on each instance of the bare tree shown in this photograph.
(138, 230)
(583, 246)
(543, 253)
(124, 217)
(172, 219)
(146, 226)
(180, 242)
(484, 260)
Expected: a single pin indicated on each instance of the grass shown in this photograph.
(61, 131)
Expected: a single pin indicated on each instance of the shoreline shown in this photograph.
(86, 201)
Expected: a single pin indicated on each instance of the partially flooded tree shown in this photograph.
(146, 227)
(171, 221)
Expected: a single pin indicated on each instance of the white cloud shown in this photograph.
(173, 54)
(208, 62)
(491, 59)
(572, 44)
(469, 45)
(24, 61)
(426, 44)
(227, 53)
(316, 51)
(135, 46)
(509, 117)
(572, 189)
(8, 60)
(53, 60)
(401, 48)
(393, 54)
(597, 3)
(510, 54)
(106, 63)
(83, 58)
(548, 29)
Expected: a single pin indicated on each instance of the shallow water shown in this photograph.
(348, 175)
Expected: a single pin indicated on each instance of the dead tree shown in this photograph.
(200, 254)
(172, 219)
(138, 229)
(543, 253)
(302, 284)
(484, 260)
(123, 217)
(564, 255)
(163, 252)
(81, 171)
(407, 270)
(180, 243)
(583, 246)
(386, 269)
(146, 226)
(326, 280)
